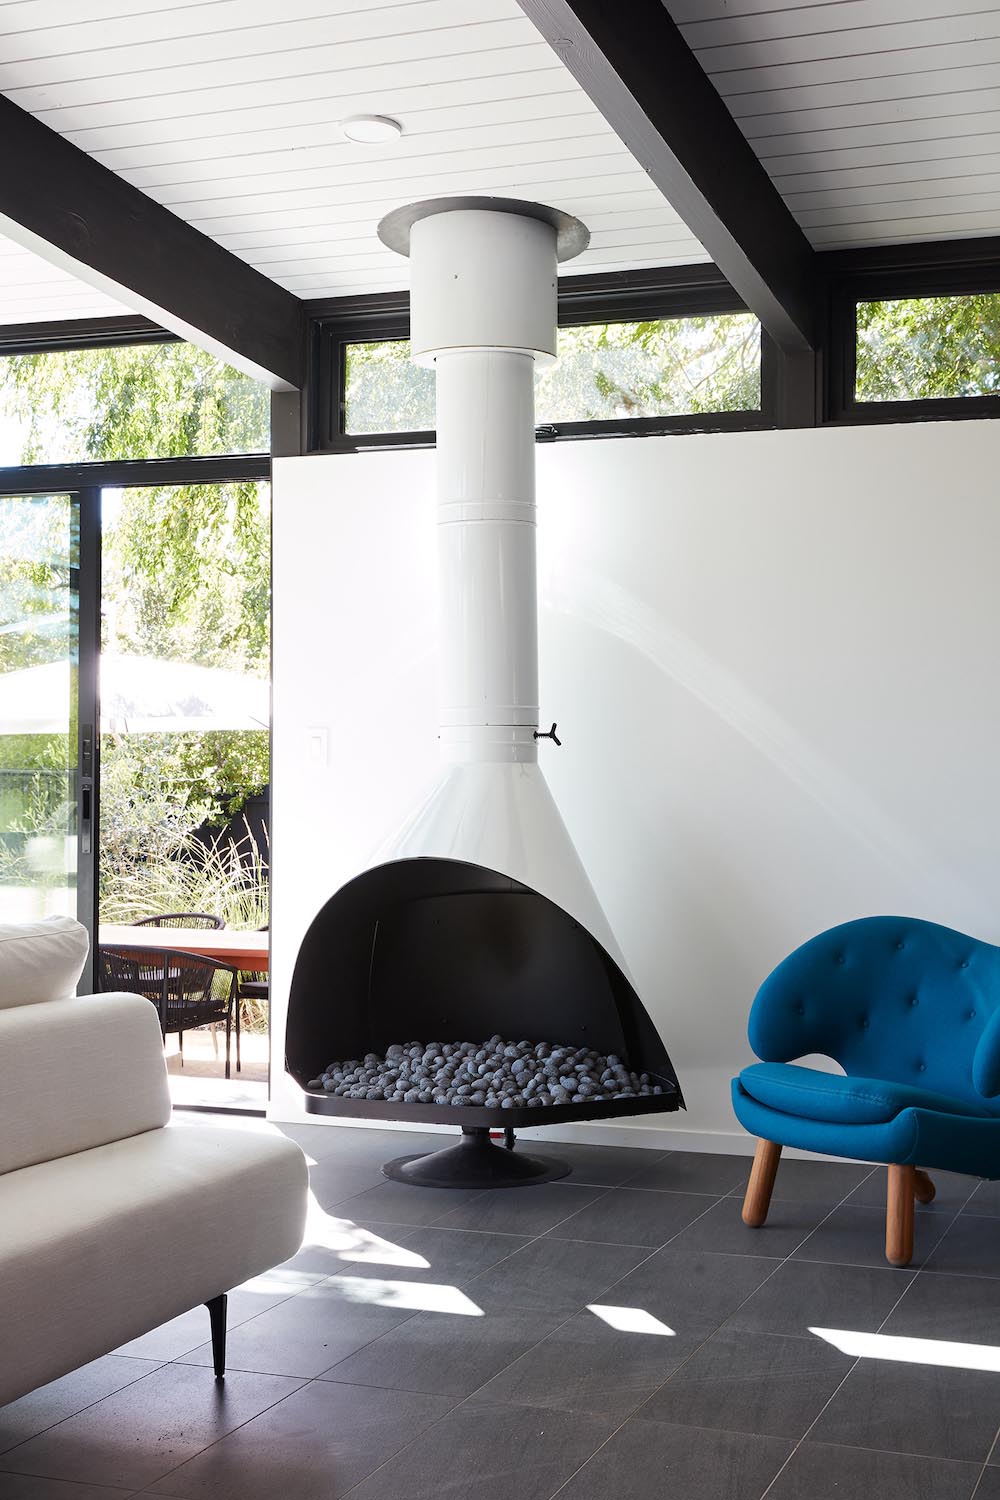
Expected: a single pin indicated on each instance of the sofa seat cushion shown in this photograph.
(844, 1100)
(101, 1246)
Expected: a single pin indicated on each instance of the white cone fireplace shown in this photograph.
(479, 920)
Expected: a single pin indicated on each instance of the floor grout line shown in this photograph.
(530, 1240)
(129, 1489)
(704, 1341)
(303, 1382)
(526, 1239)
(443, 1417)
(157, 1364)
(569, 1317)
(996, 1436)
(912, 1281)
(986, 1464)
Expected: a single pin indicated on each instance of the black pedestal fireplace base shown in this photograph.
(437, 948)
(475, 1162)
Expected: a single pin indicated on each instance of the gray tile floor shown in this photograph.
(619, 1333)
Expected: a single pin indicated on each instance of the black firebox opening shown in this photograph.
(440, 950)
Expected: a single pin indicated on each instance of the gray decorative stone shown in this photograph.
(497, 1074)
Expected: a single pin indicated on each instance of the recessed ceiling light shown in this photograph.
(371, 130)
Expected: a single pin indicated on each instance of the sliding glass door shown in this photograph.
(47, 707)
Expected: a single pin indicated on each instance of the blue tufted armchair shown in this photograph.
(911, 1012)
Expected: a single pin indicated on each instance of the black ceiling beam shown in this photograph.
(62, 204)
(632, 61)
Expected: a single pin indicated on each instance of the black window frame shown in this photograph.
(83, 483)
(81, 333)
(619, 297)
(953, 268)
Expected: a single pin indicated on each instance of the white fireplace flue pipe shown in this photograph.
(483, 315)
(488, 622)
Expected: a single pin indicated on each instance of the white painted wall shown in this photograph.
(773, 659)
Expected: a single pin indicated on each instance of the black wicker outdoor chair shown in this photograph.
(254, 986)
(180, 985)
(204, 920)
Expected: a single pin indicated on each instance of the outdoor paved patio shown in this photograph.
(202, 1079)
(619, 1333)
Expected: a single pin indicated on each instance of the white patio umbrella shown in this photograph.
(139, 695)
(35, 700)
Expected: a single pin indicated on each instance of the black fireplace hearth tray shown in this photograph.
(318, 1102)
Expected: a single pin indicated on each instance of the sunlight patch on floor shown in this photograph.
(352, 1243)
(420, 1296)
(630, 1320)
(943, 1352)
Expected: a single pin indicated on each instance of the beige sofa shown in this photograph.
(113, 1220)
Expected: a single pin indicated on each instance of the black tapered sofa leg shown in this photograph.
(217, 1314)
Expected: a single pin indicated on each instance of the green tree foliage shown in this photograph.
(38, 547)
(190, 566)
(151, 860)
(135, 401)
(147, 809)
(187, 575)
(186, 571)
(919, 347)
(660, 367)
(385, 391)
(222, 768)
(37, 809)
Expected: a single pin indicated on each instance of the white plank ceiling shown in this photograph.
(229, 112)
(33, 291)
(877, 120)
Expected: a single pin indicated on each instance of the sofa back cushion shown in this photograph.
(78, 1073)
(40, 960)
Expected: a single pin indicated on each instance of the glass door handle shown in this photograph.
(86, 824)
(86, 788)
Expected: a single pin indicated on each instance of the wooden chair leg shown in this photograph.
(761, 1184)
(924, 1190)
(899, 1215)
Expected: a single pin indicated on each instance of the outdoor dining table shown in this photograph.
(247, 951)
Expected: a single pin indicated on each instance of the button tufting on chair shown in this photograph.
(874, 1110)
